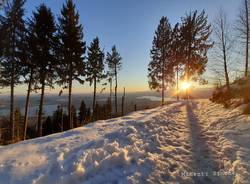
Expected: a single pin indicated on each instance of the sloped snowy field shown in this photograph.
(167, 144)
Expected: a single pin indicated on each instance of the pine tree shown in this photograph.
(95, 66)
(48, 126)
(160, 69)
(82, 113)
(195, 32)
(71, 50)
(12, 29)
(113, 61)
(28, 72)
(43, 37)
(176, 54)
(57, 119)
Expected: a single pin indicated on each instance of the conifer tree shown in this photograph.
(82, 113)
(12, 29)
(113, 61)
(195, 32)
(57, 119)
(28, 72)
(71, 50)
(42, 30)
(48, 126)
(95, 67)
(176, 54)
(160, 69)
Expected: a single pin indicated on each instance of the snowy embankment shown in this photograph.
(185, 142)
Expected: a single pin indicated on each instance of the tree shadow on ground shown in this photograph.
(205, 162)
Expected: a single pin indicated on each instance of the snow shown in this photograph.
(184, 142)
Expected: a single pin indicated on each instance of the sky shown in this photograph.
(130, 25)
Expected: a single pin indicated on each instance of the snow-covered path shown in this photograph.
(185, 142)
(205, 152)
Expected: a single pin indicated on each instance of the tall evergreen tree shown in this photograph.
(43, 37)
(160, 69)
(82, 113)
(95, 66)
(48, 126)
(71, 50)
(113, 60)
(195, 32)
(57, 120)
(12, 29)
(28, 72)
(176, 54)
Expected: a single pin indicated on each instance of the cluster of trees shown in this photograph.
(59, 120)
(231, 54)
(179, 51)
(42, 52)
(229, 40)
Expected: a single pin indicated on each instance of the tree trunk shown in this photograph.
(188, 69)
(123, 101)
(247, 38)
(163, 84)
(27, 105)
(12, 85)
(62, 118)
(224, 54)
(110, 97)
(94, 98)
(226, 72)
(40, 113)
(69, 104)
(177, 83)
(116, 105)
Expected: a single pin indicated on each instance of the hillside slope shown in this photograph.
(185, 142)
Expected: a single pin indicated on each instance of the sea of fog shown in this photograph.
(51, 102)
(142, 100)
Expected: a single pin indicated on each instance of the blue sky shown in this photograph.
(130, 25)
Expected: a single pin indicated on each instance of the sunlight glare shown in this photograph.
(185, 85)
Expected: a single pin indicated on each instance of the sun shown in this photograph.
(185, 85)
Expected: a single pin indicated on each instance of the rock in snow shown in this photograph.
(185, 142)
